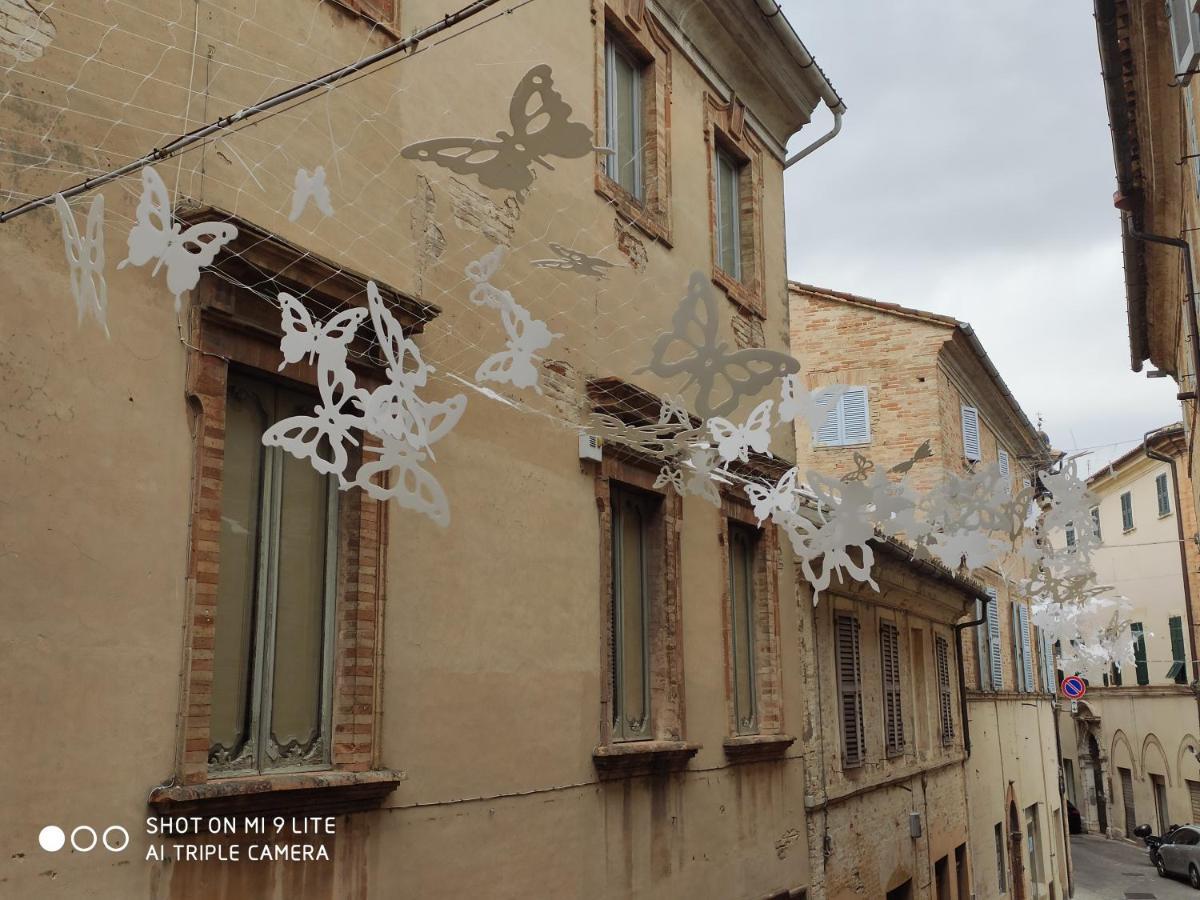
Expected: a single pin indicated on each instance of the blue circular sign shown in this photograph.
(1074, 687)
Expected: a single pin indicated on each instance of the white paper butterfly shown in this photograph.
(322, 437)
(526, 336)
(480, 272)
(393, 409)
(671, 475)
(412, 487)
(157, 236)
(302, 337)
(813, 407)
(773, 501)
(310, 187)
(699, 481)
(736, 441)
(85, 256)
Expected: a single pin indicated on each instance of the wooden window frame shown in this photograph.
(725, 131)
(767, 739)
(665, 749)
(634, 28)
(232, 328)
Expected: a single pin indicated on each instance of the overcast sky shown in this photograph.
(974, 177)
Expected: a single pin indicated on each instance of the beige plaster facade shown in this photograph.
(1136, 731)
(920, 369)
(472, 754)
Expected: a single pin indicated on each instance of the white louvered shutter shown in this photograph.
(970, 430)
(1005, 471)
(941, 655)
(993, 631)
(1026, 648)
(849, 672)
(1184, 27)
(1018, 666)
(830, 432)
(1049, 682)
(856, 417)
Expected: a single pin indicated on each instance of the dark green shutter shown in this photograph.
(1139, 653)
(1178, 656)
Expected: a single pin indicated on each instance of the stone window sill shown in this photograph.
(757, 747)
(325, 793)
(632, 758)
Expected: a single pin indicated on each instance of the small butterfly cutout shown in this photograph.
(526, 336)
(813, 407)
(575, 261)
(670, 475)
(310, 187)
(85, 256)
(693, 347)
(772, 500)
(303, 337)
(157, 236)
(541, 127)
(737, 441)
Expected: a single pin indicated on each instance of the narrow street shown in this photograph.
(1117, 870)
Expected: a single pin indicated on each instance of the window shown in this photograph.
(1160, 802)
(1022, 654)
(1164, 499)
(728, 173)
(970, 433)
(1189, 108)
(632, 518)
(1179, 668)
(1096, 523)
(941, 655)
(1114, 676)
(850, 422)
(1126, 777)
(272, 646)
(988, 643)
(623, 117)
(1003, 464)
(1001, 880)
(1127, 511)
(1139, 653)
(1068, 767)
(893, 718)
(742, 542)
(1046, 655)
(849, 676)
(1070, 534)
(1185, 37)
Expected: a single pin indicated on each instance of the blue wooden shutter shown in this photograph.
(1026, 648)
(993, 629)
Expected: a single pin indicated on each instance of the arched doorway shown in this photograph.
(1016, 860)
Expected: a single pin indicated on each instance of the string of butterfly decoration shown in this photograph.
(389, 433)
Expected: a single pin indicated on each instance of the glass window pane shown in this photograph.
(632, 619)
(624, 120)
(728, 242)
(741, 594)
(300, 604)
(245, 420)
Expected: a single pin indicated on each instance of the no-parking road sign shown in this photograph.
(1073, 687)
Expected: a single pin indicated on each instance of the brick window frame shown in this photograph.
(233, 329)
(384, 13)
(641, 35)
(768, 740)
(725, 129)
(623, 468)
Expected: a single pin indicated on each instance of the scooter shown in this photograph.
(1153, 841)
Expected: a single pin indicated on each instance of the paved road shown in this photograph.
(1117, 870)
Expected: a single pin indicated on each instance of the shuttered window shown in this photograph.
(1127, 511)
(1026, 648)
(970, 430)
(1096, 523)
(941, 655)
(1179, 668)
(1070, 534)
(1139, 652)
(984, 669)
(1002, 462)
(1185, 36)
(1018, 662)
(1164, 499)
(993, 632)
(849, 673)
(1049, 684)
(893, 718)
(850, 421)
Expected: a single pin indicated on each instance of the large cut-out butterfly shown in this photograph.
(322, 437)
(541, 128)
(693, 347)
(156, 235)
(85, 256)
(303, 337)
(737, 441)
(412, 487)
(575, 261)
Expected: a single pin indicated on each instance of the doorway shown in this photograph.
(1016, 862)
(904, 892)
(1101, 805)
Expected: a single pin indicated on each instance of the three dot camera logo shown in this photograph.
(84, 838)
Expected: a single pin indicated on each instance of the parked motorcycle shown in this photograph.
(1153, 841)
